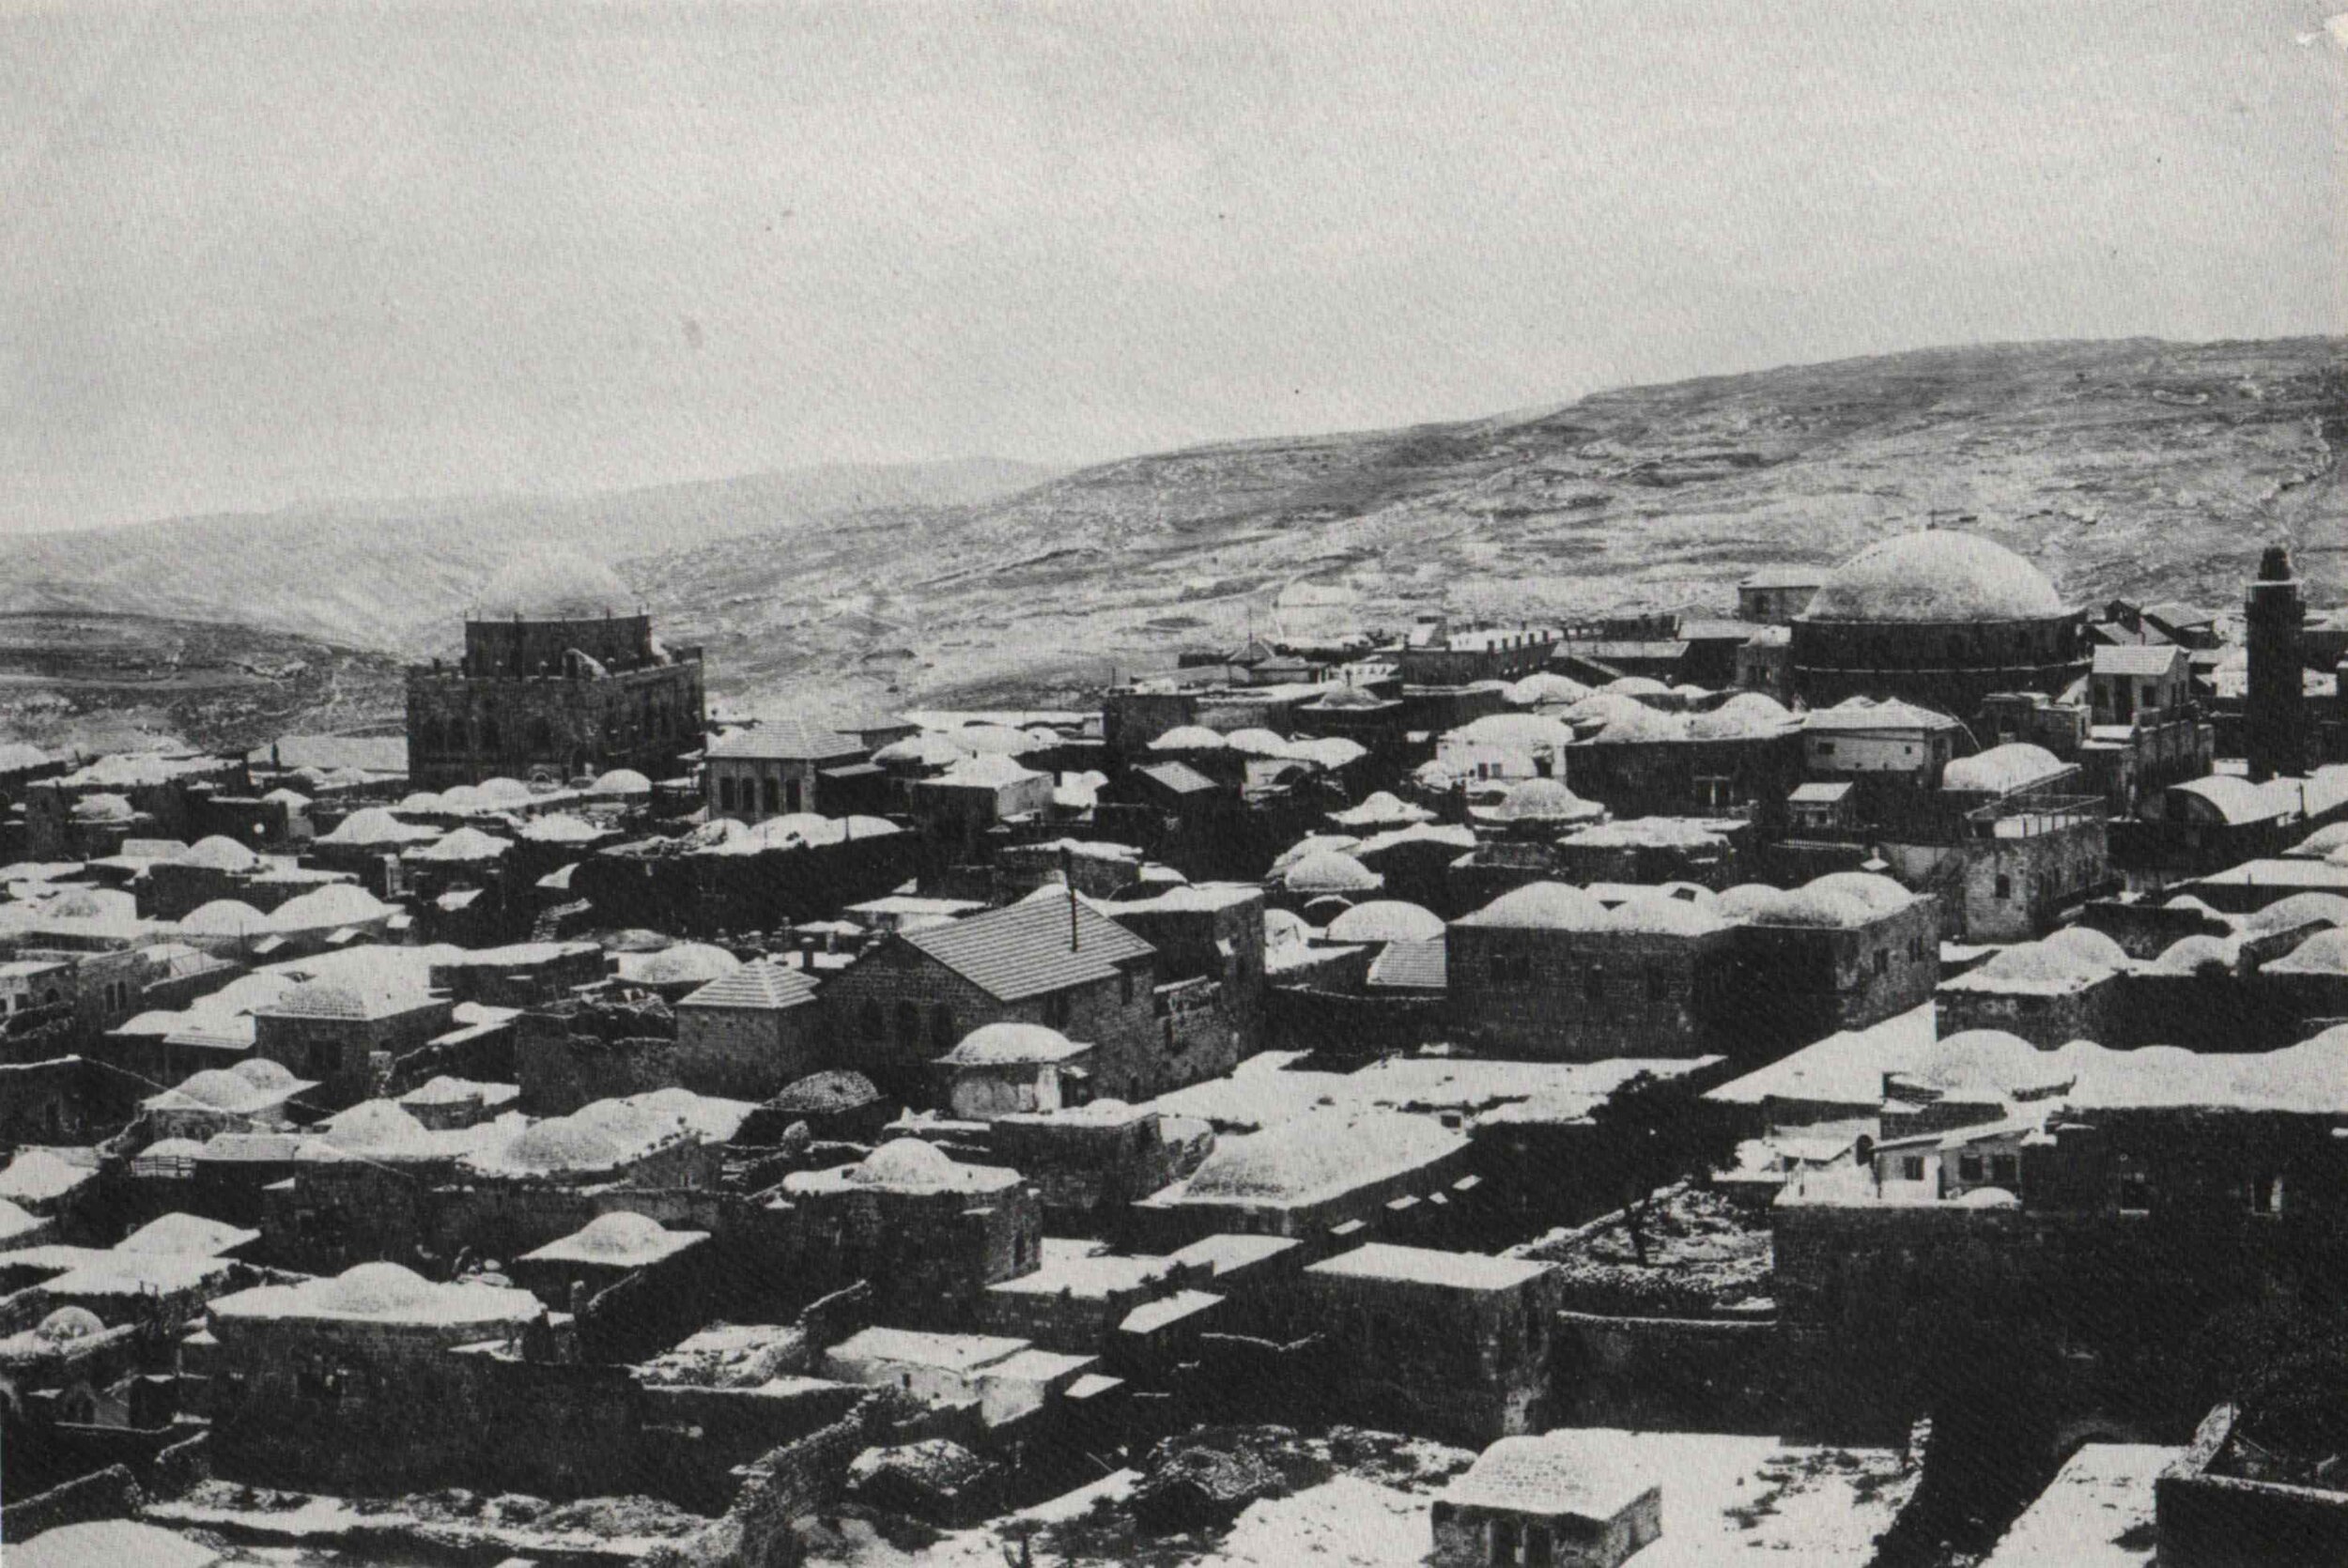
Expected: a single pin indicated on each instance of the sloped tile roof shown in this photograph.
(1413, 966)
(787, 740)
(1025, 950)
(2154, 659)
(763, 984)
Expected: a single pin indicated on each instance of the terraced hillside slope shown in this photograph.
(2138, 467)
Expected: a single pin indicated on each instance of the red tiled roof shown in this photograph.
(1025, 950)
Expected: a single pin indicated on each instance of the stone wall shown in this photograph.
(463, 729)
(2013, 886)
(1667, 1374)
(748, 1053)
(2207, 1519)
(1558, 995)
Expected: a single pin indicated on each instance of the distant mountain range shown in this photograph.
(2140, 467)
(397, 575)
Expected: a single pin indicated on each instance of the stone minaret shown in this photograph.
(2274, 714)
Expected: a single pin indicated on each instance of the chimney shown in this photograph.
(1068, 875)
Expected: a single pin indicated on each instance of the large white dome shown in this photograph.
(554, 585)
(1933, 576)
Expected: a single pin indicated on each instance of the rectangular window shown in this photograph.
(2136, 1192)
(2004, 886)
(1911, 1167)
(2005, 1170)
(1125, 985)
(1968, 1167)
(2266, 1194)
(1883, 961)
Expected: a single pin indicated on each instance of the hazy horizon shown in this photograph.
(268, 255)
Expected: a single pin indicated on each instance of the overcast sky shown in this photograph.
(259, 254)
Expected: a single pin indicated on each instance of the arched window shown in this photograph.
(541, 737)
(868, 1022)
(725, 792)
(773, 792)
(908, 1024)
(942, 1027)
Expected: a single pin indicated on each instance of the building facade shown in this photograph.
(554, 681)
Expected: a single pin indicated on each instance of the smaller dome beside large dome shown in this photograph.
(1933, 577)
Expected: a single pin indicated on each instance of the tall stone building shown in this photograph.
(2274, 709)
(558, 680)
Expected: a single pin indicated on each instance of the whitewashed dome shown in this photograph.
(1933, 576)
(554, 585)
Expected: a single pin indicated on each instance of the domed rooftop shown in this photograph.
(563, 1143)
(1749, 714)
(904, 1162)
(2042, 963)
(220, 1088)
(1635, 685)
(1656, 912)
(1520, 730)
(68, 1323)
(262, 1074)
(424, 800)
(374, 1126)
(1002, 739)
(2001, 769)
(2324, 953)
(373, 1289)
(218, 853)
(1189, 737)
(621, 1233)
(1383, 808)
(1879, 893)
(1329, 751)
(1543, 800)
(292, 800)
(928, 750)
(1330, 872)
(682, 964)
(503, 790)
(102, 807)
(1257, 741)
(554, 585)
(2092, 946)
(372, 825)
(467, 844)
(1983, 1059)
(1541, 906)
(620, 781)
(1012, 1044)
(1933, 576)
(223, 918)
(1545, 687)
(2300, 909)
(1346, 695)
(1386, 920)
(2191, 955)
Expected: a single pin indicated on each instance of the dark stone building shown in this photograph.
(1937, 618)
(554, 682)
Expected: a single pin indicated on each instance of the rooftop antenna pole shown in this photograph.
(1068, 875)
